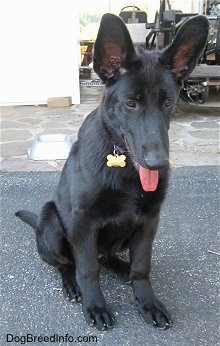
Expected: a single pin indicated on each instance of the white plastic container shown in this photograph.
(50, 147)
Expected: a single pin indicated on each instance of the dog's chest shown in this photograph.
(121, 215)
(119, 207)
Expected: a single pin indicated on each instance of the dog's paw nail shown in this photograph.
(92, 323)
(163, 328)
(78, 298)
(128, 282)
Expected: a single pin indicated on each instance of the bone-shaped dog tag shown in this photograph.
(116, 160)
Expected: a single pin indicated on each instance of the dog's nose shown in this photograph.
(156, 164)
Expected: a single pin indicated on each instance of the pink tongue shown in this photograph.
(149, 179)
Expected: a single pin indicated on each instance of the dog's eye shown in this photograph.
(131, 103)
(168, 103)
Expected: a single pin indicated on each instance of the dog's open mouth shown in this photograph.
(149, 178)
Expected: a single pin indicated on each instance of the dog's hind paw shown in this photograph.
(71, 292)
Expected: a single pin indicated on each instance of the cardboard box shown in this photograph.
(54, 102)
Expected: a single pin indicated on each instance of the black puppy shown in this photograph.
(114, 181)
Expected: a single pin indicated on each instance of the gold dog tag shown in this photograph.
(116, 160)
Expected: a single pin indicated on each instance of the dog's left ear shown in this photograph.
(183, 53)
(113, 48)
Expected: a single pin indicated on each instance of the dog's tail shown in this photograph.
(28, 217)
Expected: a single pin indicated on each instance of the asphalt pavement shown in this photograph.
(184, 270)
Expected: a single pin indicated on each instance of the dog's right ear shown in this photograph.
(113, 48)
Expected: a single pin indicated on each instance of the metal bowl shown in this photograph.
(50, 147)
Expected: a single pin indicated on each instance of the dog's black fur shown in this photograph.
(99, 210)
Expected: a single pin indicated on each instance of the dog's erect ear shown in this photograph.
(183, 53)
(113, 47)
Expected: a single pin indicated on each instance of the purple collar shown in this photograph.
(119, 150)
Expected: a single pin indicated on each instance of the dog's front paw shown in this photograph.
(155, 313)
(99, 317)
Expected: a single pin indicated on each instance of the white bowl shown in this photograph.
(50, 147)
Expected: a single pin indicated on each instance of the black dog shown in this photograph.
(114, 181)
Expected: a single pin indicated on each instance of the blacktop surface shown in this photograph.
(186, 251)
